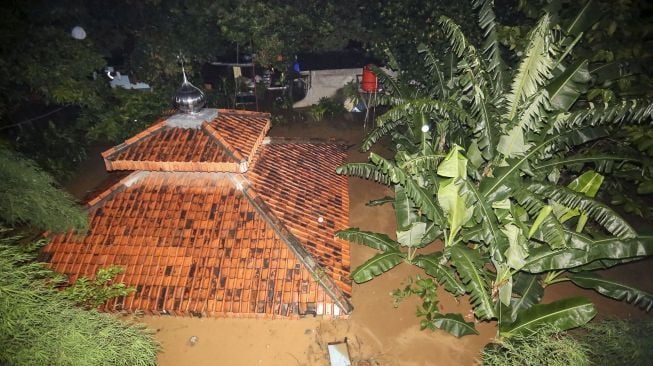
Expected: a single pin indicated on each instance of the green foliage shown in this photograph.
(91, 293)
(328, 108)
(55, 98)
(615, 38)
(615, 290)
(44, 61)
(125, 113)
(562, 314)
(403, 25)
(41, 326)
(479, 166)
(426, 289)
(271, 28)
(612, 38)
(617, 341)
(29, 197)
(547, 347)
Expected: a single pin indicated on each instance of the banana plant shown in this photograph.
(483, 199)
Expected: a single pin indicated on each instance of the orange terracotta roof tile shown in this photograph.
(191, 243)
(297, 180)
(227, 143)
(245, 132)
(204, 239)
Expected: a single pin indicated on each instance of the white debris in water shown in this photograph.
(193, 340)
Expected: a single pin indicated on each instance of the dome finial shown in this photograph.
(183, 72)
(188, 98)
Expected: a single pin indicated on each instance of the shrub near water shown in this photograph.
(497, 184)
(39, 325)
(618, 342)
(546, 347)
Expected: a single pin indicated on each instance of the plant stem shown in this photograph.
(562, 279)
(551, 278)
(411, 254)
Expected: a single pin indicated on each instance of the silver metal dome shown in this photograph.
(188, 98)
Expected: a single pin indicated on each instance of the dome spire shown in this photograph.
(188, 98)
(183, 72)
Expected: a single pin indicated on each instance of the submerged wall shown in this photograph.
(325, 83)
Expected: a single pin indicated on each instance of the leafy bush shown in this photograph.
(548, 347)
(42, 326)
(91, 293)
(482, 165)
(29, 196)
(327, 108)
(426, 289)
(604, 342)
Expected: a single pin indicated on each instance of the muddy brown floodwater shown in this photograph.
(377, 332)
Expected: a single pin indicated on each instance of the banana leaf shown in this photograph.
(588, 184)
(548, 229)
(512, 144)
(379, 132)
(469, 266)
(432, 64)
(422, 163)
(562, 314)
(364, 170)
(454, 324)
(530, 290)
(582, 250)
(454, 164)
(412, 237)
(565, 89)
(601, 213)
(433, 232)
(613, 289)
(533, 68)
(422, 199)
(373, 240)
(377, 265)
(604, 264)
(600, 161)
(505, 179)
(443, 274)
(455, 207)
(405, 212)
(517, 252)
(491, 234)
(585, 18)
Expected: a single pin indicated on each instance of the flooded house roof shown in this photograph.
(221, 144)
(217, 220)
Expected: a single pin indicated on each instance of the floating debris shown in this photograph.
(193, 340)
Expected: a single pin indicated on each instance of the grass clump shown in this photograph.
(547, 347)
(618, 341)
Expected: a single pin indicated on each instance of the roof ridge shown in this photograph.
(286, 236)
(115, 188)
(213, 133)
(242, 111)
(156, 126)
(305, 140)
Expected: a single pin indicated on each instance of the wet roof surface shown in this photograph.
(218, 145)
(298, 182)
(221, 243)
